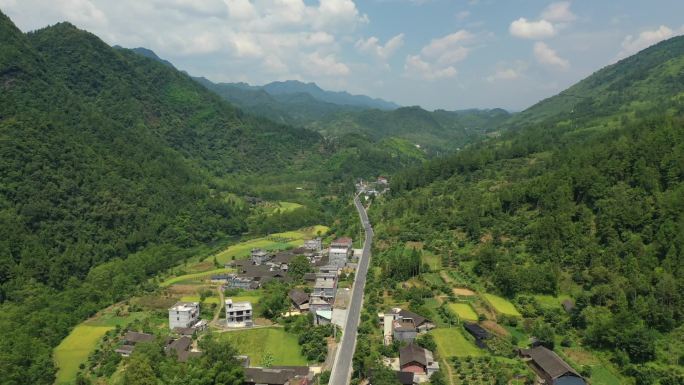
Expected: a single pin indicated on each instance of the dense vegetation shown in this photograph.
(591, 207)
(116, 167)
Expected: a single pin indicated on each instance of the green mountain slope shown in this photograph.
(652, 79)
(593, 210)
(114, 167)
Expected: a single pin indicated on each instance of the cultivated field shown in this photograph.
(501, 305)
(452, 343)
(75, 349)
(464, 311)
(256, 343)
(194, 276)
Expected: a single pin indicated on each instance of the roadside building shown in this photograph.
(325, 287)
(317, 303)
(323, 317)
(551, 368)
(184, 315)
(340, 251)
(417, 360)
(238, 314)
(405, 325)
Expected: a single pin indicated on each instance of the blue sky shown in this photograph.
(450, 54)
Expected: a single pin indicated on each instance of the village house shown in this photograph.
(325, 287)
(181, 348)
(323, 317)
(417, 360)
(404, 325)
(315, 245)
(278, 375)
(316, 304)
(340, 251)
(184, 315)
(130, 339)
(238, 314)
(550, 368)
(259, 256)
(299, 300)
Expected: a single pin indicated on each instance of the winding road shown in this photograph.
(342, 367)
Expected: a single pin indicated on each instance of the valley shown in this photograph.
(158, 227)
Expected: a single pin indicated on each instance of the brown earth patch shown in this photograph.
(185, 289)
(495, 328)
(463, 291)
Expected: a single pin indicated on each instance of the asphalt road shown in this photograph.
(342, 368)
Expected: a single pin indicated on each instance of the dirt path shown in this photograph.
(449, 370)
(220, 306)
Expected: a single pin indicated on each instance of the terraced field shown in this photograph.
(501, 305)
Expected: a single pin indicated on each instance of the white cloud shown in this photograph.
(327, 65)
(527, 29)
(558, 13)
(506, 73)
(418, 68)
(547, 56)
(437, 59)
(632, 44)
(372, 45)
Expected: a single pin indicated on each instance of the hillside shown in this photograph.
(652, 79)
(115, 167)
(591, 210)
(336, 97)
(437, 132)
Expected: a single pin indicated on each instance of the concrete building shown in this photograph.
(184, 315)
(238, 314)
(259, 256)
(340, 251)
(325, 287)
(315, 245)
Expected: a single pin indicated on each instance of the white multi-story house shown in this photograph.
(315, 245)
(325, 287)
(260, 256)
(238, 314)
(184, 315)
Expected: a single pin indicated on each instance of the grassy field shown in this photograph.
(434, 261)
(196, 298)
(433, 279)
(452, 343)
(600, 375)
(192, 276)
(74, 350)
(464, 311)
(112, 320)
(256, 343)
(501, 305)
(551, 302)
(287, 206)
(273, 242)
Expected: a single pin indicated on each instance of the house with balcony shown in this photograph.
(238, 314)
(184, 315)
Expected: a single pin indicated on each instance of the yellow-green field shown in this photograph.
(464, 311)
(501, 305)
(188, 277)
(549, 301)
(272, 242)
(434, 261)
(75, 349)
(256, 343)
(287, 206)
(452, 343)
(195, 298)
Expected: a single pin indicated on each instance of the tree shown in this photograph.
(298, 266)
(139, 371)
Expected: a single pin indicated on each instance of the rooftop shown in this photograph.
(414, 353)
(185, 306)
(322, 283)
(549, 362)
(243, 305)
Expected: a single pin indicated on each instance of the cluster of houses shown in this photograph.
(180, 347)
(373, 188)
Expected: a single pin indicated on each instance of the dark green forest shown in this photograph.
(592, 207)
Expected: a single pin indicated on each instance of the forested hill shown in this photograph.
(651, 80)
(114, 167)
(591, 209)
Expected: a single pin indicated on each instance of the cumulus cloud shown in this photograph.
(372, 45)
(327, 65)
(547, 56)
(437, 59)
(505, 73)
(558, 13)
(633, 44)
(528, 29)
(417, 67)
